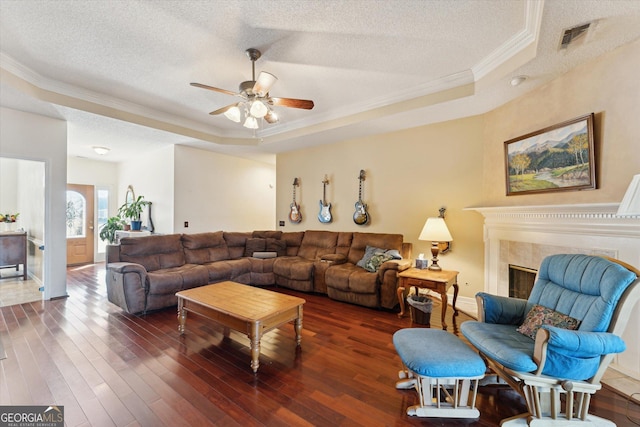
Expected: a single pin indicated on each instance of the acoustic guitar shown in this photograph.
(361, 216)
(294, 215)
(324, 216)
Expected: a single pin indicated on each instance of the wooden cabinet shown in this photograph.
(13, 250)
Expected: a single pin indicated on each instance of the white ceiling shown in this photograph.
(119, 71)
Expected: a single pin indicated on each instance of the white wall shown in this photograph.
(9, 185)
(34, 137)
(218, 192)
(151, 176)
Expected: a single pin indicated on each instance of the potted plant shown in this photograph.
(108, 230)
(132, 211)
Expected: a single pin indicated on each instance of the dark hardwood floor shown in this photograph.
(109, 368)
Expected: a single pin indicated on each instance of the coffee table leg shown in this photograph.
(254, 338)
(298, 327)
(182, 316)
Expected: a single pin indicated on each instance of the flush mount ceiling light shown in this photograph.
(101, 150)
(257, 103)
(518, 80)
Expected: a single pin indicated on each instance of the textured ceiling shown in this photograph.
(119, 71)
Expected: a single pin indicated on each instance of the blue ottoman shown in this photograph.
(438, 364)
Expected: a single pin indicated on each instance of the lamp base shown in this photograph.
(434, 260)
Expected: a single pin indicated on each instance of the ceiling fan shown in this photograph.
(256, 102)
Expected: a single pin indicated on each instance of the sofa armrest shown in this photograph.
(500, 310)
(127, 267)
(334, 258)
(394, 264)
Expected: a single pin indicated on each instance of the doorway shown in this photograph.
(80, 224)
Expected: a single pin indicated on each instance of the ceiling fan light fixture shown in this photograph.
(251, 123)
(258, 109)
(271, 117)
(233, 114)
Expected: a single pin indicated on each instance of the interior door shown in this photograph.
(80, 229)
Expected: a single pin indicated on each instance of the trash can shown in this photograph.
(420, 307)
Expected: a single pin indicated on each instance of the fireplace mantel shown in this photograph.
(524, 235)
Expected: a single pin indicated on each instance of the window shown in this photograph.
(103, 215)
(76, 214)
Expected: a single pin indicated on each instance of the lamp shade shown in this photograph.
(435, 230)
(630, 204)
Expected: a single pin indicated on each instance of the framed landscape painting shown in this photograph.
(557, 158)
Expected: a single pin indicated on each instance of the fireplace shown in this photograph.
(521, 281)
(525, 235)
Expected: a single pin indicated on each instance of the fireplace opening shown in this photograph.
(521, 280)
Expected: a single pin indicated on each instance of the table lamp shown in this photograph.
(436, 231)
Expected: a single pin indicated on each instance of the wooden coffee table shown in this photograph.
(242, 308)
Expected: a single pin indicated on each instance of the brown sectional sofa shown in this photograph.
(144, 273)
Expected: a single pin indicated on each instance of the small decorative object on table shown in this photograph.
(421, 263)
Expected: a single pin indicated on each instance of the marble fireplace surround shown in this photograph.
(524, 235)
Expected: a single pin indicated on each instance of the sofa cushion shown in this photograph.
(201, 248)
(172, 280)
(318, 243)
(255, 244)
(268, 234)
(294, 268)
(293, 240)
(153, 252)
(539, 315)
(276, 245)
(236, 242)
(351, 278)
(380, 240)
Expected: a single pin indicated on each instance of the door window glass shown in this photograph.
(76, 214)
(103, 215)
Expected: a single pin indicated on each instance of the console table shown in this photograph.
(439, 281)
(13, 251)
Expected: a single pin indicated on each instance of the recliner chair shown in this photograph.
(594, 295)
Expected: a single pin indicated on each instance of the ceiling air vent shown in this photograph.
(571, 34)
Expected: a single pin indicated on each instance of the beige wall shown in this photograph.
(460, 163)
(409, 176)
(608, 87)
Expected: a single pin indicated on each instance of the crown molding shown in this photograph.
(519, 42)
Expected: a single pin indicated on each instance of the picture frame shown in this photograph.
(557, 158)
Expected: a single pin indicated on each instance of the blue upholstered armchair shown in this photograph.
(561, 340)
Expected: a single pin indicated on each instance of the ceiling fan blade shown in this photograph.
(305, 104)
(222, 110)
(264, 83)
(215, 89)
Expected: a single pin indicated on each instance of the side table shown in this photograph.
(439, 281)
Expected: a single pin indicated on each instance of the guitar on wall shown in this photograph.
(361, 216)
(294, 215)
(324, 216)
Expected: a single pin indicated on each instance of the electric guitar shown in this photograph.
(361, 216)
(324, 215)
(294, 215)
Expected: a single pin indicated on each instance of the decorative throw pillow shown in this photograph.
(376, 261)
(368, 253)
(539, 315)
